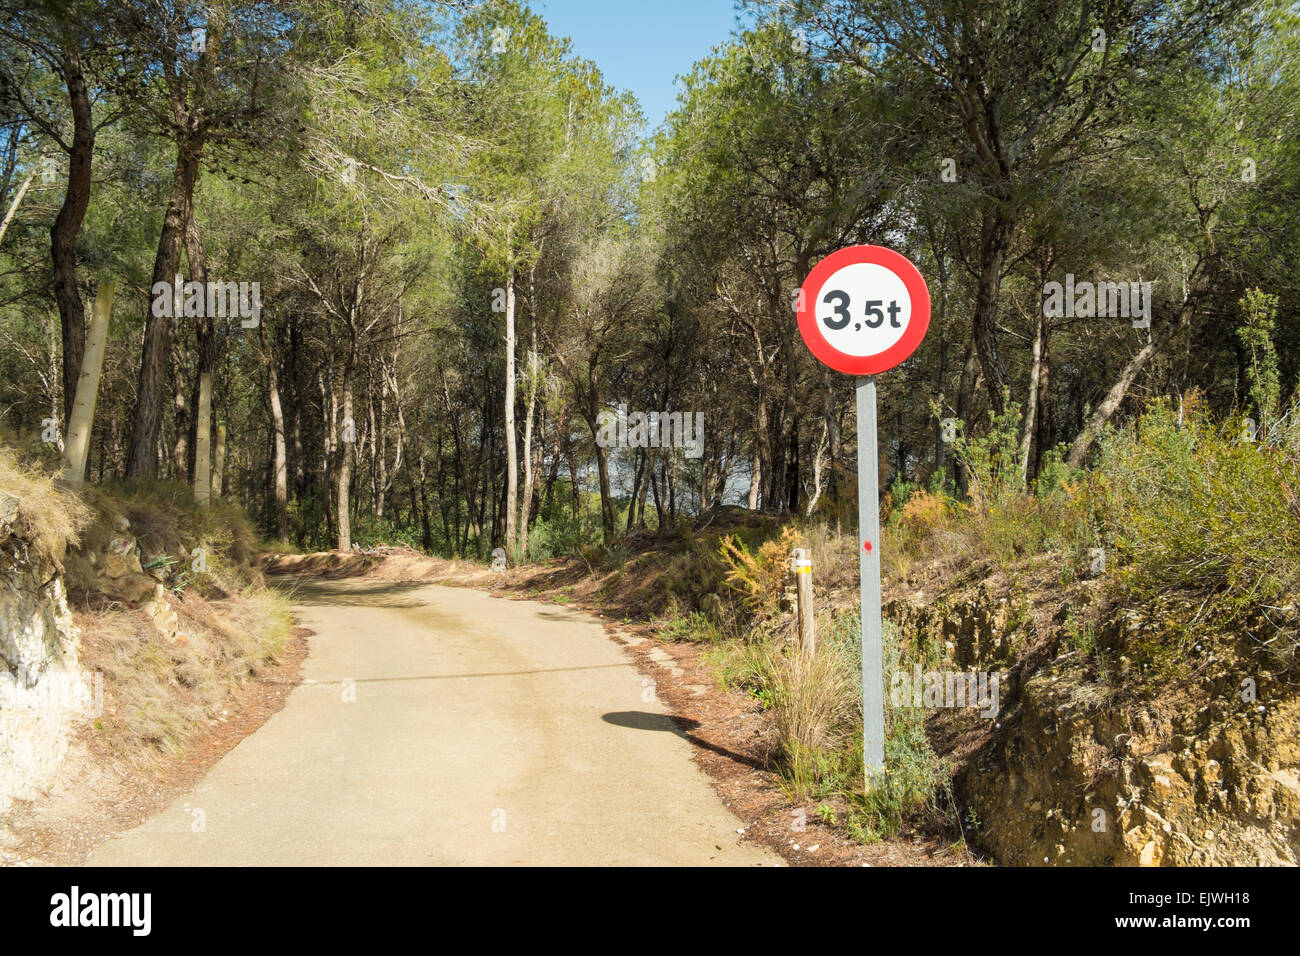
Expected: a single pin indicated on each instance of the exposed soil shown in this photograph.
(100, 795)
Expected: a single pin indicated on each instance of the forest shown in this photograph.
(380, 271)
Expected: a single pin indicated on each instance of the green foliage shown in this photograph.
(560, 534)
(992, 459)
(369, 531)
(614, 556)
(1264, 385)
(1192, 506)
(695, 627)
(1003, 522)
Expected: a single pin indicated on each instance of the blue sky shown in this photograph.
(641, 45)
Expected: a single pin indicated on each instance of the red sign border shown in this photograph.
(896, 354)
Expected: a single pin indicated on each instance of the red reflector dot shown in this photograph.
(866, 545)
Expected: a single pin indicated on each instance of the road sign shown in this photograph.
(862, 311)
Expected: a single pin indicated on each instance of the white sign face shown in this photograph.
(863, 309)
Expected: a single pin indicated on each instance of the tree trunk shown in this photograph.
(573, 481)
(67, 224)
(207, 361)
(526, 504)
(181, 461)
(344, 469)
(995, 240)
(606, 497)
(966, 389)
(1097, 420)
(1043, 437)
(638, 473)
(279, 469)
(1031, 399)
(13, 210)
(219, 462)
(760, 443)
(512, 461)
(142, 458)
(82, 419)
(202, 443)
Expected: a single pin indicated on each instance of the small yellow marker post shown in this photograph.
(804, 597)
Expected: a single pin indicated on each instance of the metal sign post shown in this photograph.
(864, 310)
(873, 678)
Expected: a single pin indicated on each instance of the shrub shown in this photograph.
(758, 577)
(695, 626)
(925, 512)
(1192, 505)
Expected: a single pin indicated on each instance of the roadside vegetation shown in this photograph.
(1193, 519)
(166, 598)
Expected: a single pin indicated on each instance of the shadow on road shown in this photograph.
(306, 591)
(681, 726)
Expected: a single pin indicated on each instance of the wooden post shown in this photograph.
(804, 598)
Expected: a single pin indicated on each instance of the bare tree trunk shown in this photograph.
(346, 448)
(638, 473)
(526, 504)
(180, 413)
(573, 481)
(819, 459)
(512, 460)
(461, 452)
(760, 443)
(329, 412)
(1043, 429)
(995, 240)
(645, 489)
(82, 419)
(279, 467)
(13, 206)
(202, 443)
(219, 462)
(389, 384)
(606, 496)
(966, 388)
(835, 486)
(377, 463)
(1031, 400)
(1097, 420)
(207, 360)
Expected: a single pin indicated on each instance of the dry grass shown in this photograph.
(158, 693)
(814, 709)
(51, 517)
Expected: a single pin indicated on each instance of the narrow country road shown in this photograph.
(442, 726)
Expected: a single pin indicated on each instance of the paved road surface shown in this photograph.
(483, 731)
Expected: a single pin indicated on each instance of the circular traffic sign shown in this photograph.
(863, 310)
